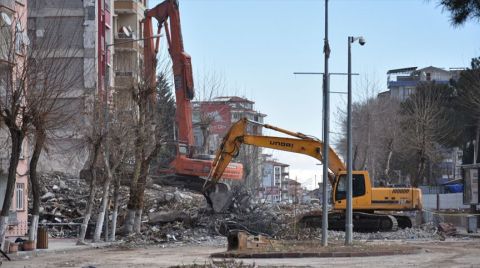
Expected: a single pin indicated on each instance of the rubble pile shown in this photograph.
(63, 200)
(172, 215)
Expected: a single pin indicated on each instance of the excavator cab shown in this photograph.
(358, 187)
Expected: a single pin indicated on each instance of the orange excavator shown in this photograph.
(186, 169)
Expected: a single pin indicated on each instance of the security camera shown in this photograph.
(361, 41)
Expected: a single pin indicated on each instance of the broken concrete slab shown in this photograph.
(168, 216)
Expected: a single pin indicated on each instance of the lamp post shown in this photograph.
(348, 223)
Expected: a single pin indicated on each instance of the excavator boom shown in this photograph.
(303, 144)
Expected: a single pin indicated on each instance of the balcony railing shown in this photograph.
(12, 218)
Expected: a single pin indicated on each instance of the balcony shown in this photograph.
(124, 79)
(129, 7)
(7, 5)
(127, 43)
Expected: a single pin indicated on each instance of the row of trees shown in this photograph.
(394, 139)
(41, 82)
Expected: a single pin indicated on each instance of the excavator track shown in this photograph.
(403, 221)
(362, 222)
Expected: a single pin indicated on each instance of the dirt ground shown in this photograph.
(433, 254)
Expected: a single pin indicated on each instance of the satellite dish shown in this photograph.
(6, 18)
(125, 31)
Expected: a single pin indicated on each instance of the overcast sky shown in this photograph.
(258, 44)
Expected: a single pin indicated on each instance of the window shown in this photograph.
(20, 196)
(358, 185)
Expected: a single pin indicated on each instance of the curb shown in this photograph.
(313, 254)
(38, 252)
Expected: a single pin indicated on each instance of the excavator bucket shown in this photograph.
(219, 197)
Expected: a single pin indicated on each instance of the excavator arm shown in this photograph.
(302, 144)
(167, 15)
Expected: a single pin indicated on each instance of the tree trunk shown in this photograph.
(101, 213)
(116, 204)
(88, 210)
(17, 139)
(386, 171)
(39, 143)
(103, 207)
(33, 229)
(3, 229)
(137, 225)
(420, 170)
(132, 204)
(129, 222)
(133, 199)
(91, 198)
(140, 196)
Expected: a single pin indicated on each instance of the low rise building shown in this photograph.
(403, 82)
(274, 184)
(13, 18)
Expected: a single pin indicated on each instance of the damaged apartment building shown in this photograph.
(104, 35)
(213, 118)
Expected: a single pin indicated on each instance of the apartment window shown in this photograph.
(20, 196)
(429, 76)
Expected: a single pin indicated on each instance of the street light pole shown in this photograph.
(349, 220)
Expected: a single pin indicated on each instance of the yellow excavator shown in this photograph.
(374, 208)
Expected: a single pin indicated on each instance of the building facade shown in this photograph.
(274, 186)
(105, 34)
(84, 28)
(403, 82)
(13, 18)
(128, 54)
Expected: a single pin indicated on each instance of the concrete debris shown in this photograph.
(169, 216)
(47, 196)
(175, 216)
(447, 228)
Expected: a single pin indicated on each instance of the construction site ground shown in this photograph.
(448, 253)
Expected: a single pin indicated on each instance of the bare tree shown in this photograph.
(468, 104)
(90, 173)
(148, 143)
(209, 86)
(52, 77)
(424, 125)
(13, 110)
(119, 141)
(388, 133)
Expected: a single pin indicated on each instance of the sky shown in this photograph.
(257, 45)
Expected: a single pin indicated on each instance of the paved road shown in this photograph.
(434, 254)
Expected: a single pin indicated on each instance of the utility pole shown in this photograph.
(325, 126)
(326, 130)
